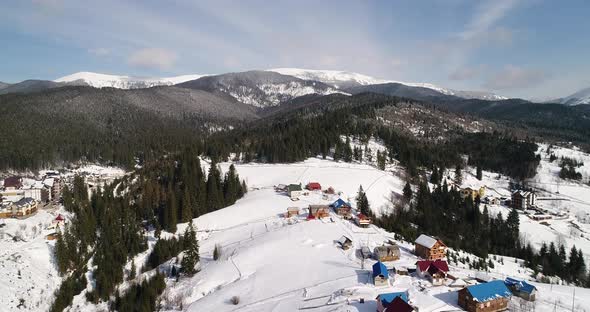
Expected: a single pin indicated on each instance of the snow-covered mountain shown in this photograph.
(97, 80)
(578, 98)
(260, 88)
(344, 79)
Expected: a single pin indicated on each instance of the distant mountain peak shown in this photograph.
(98, 80)
(578, 98)
(345, 79)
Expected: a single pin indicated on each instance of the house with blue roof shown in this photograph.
(521, 289)
(486, 297)
(342, 208)
(380, 274)
(385, 300)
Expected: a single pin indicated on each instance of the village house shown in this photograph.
(521, 289)
(523, 199)
(313, 186)
(430, 248)
(345, 242)
(487, 297)
(384, 301)
(342, 208)
(363, 221)
(435, 271)
(281, 188)
(12, 183)
(292, 212)
(24, 207)
(5, 209)
(294, 191)
(387, 253)
(473, 192)
(319, 211)
(58, 221)
(380, 274)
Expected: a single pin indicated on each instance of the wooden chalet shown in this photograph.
(387, 253)
(342, 208)
(363, 221)
(430, 248)
(487, 297)
(319, 211)
(435, 271)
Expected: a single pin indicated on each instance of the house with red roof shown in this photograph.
(314, 186)
(435, 271)
(363, 221)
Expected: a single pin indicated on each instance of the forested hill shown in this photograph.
(108, 125)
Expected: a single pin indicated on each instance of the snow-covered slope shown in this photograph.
(344, 79)
(578, 98)
(97, 80)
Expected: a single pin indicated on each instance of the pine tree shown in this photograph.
(191, 250)
(408, 191)
(479, 173)
(458, 175)
(362, 202)
(187, 209)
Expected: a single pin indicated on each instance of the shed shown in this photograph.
(294, 191)
(486, 297)
(345, 242)
(387, 253)
(521, 289)
(380, 274)
(292, 212)
(314, 186)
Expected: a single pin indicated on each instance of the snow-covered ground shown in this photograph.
(27, 270)
(277, 264)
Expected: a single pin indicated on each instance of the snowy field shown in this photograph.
(277, 264)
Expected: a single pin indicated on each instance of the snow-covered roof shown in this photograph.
(49, 182)
(426, 241)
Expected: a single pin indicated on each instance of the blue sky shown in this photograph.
(526, 48)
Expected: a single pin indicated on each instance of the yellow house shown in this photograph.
(473, 192)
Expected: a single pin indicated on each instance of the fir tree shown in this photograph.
(362, 202)
(191, 250)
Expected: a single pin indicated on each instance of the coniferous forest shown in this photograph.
(109, 226)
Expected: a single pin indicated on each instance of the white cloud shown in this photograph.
(514, 77)
(486, 16)
(154, 58)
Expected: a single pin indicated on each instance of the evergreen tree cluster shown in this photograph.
(444, 214)
(140, 297)
(568, 169)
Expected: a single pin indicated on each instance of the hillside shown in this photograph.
(97, 80)
(259, 88)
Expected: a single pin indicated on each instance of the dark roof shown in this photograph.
(489, 291)
(24, 201)
(12, 182)
(380, 269)
(294, 187)
(387, 298)
(399, 305)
